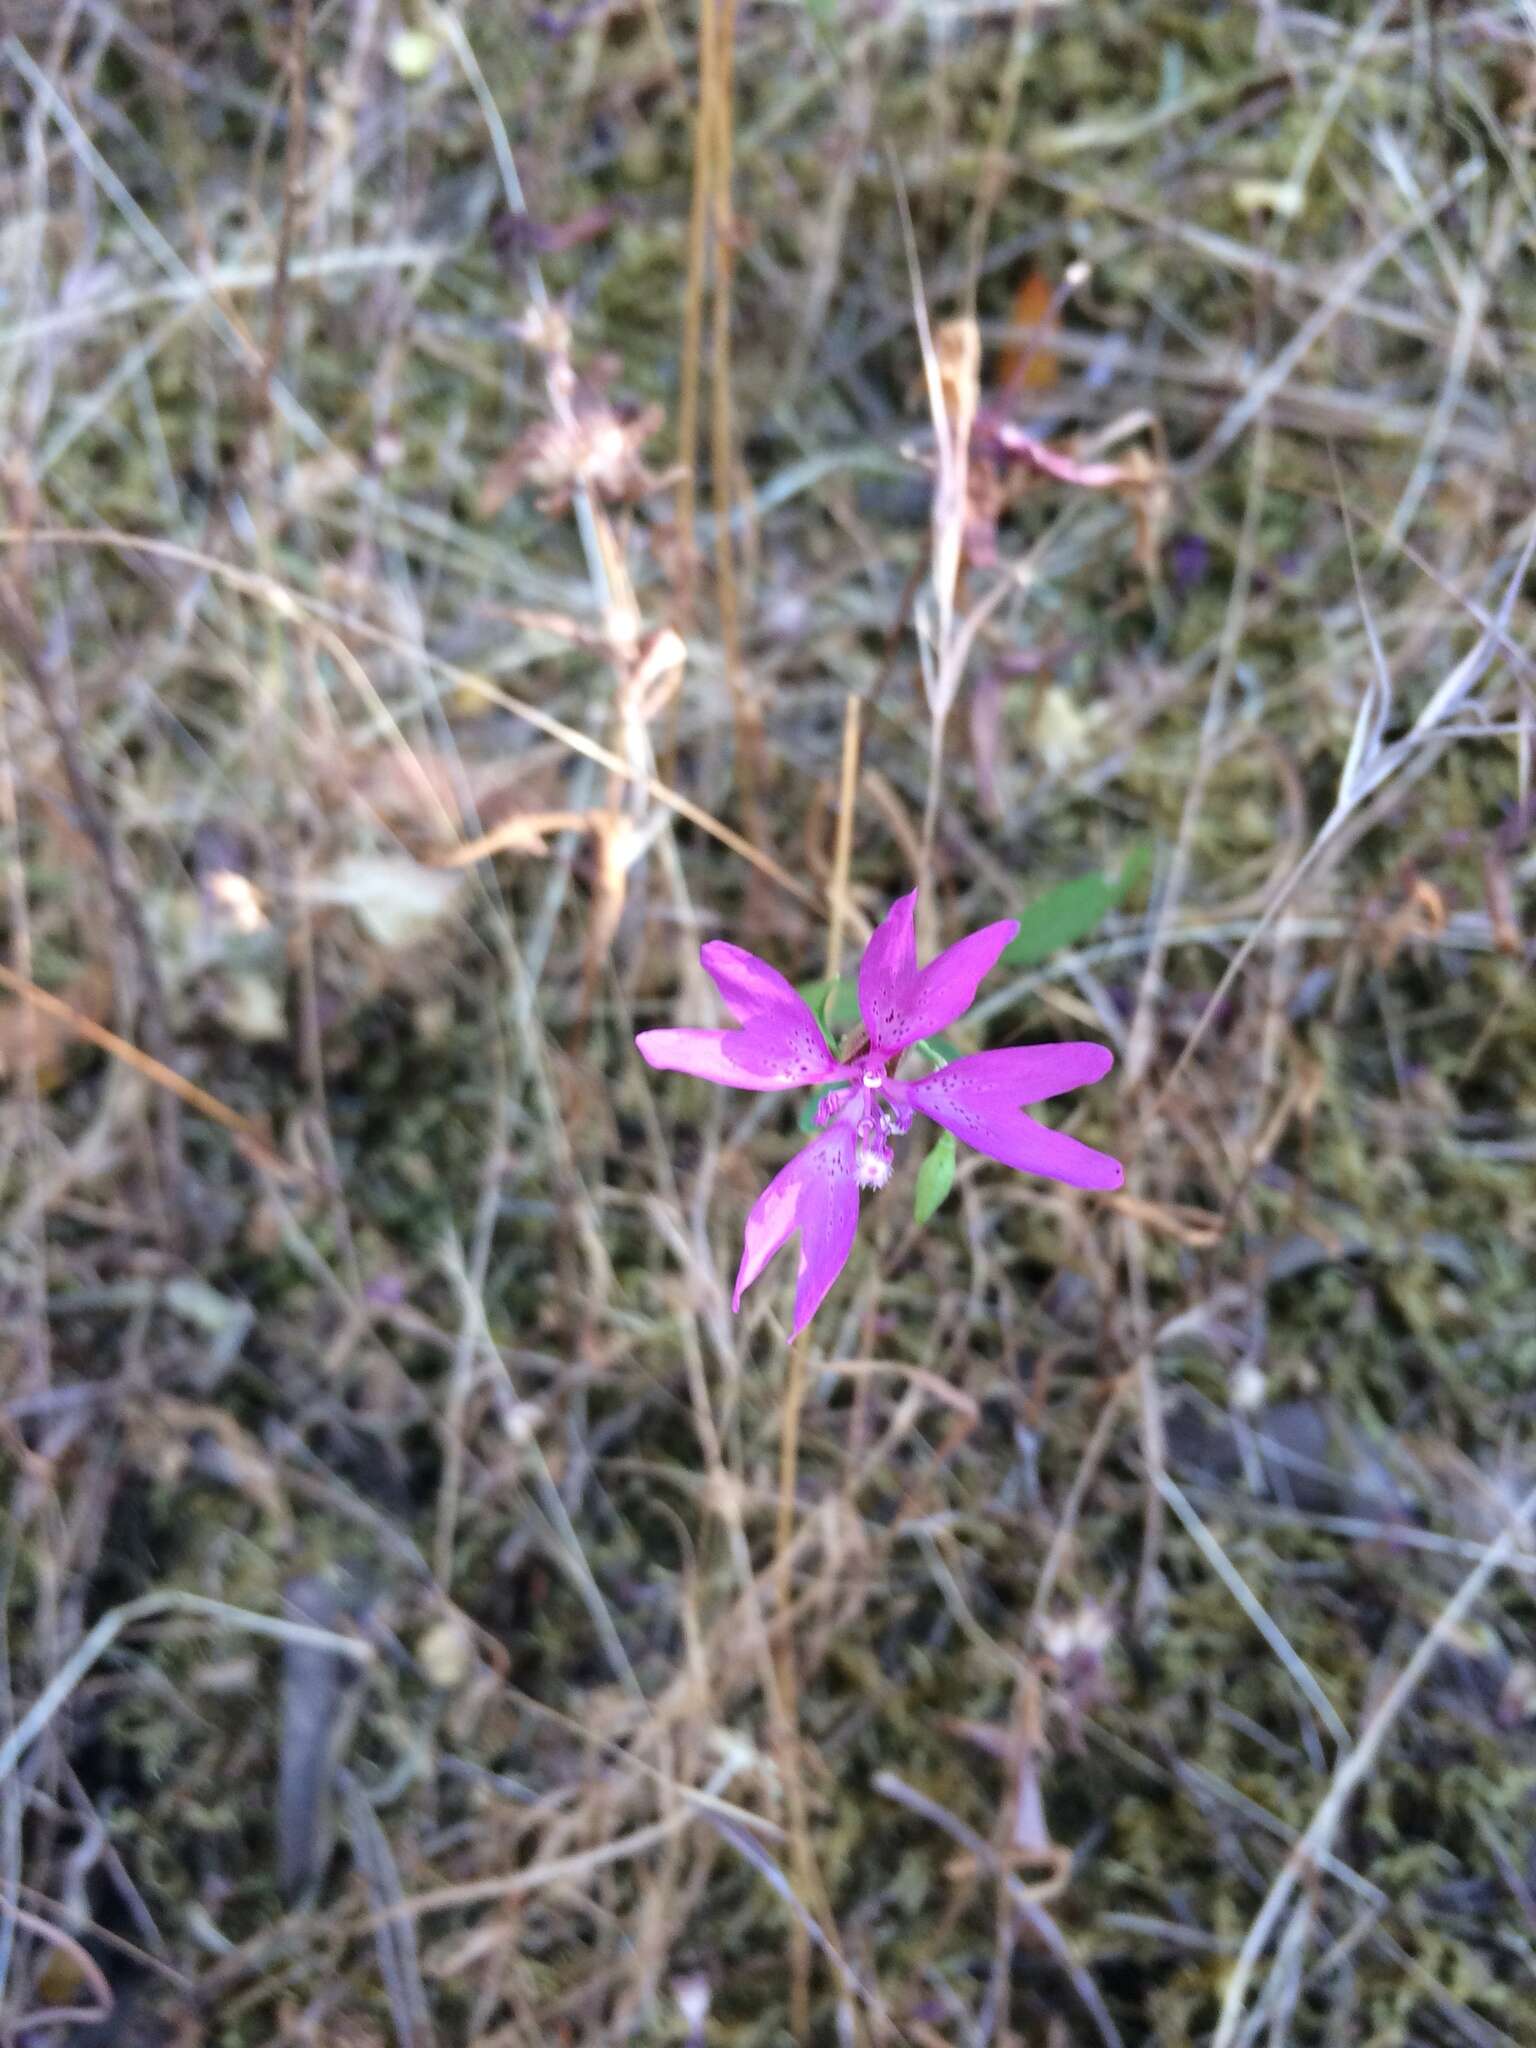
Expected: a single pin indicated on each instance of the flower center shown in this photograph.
(875, 1105)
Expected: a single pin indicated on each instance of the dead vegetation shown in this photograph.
(491, 498)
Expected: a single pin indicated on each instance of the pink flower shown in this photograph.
(979, 1097)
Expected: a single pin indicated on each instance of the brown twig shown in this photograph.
(86, 1968)
(722, 456)
(842, 853)
(693, 309)
(253, 1141)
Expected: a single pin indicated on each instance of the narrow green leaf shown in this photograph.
(816, 993)
(940, 1048)
(835, 1005)
(935, 1177)
(1073, 909)
(841, 1010)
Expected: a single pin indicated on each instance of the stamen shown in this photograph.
(830, 1106)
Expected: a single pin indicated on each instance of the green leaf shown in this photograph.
(842, 1006)
(835, 1004)
(1072, 910)
(815, 993)
(935, 1177)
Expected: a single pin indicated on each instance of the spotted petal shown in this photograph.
(901, 1005)
(779, 1045)
(979, 1098)
(817, 1195)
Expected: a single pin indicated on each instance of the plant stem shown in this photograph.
(789, 1695)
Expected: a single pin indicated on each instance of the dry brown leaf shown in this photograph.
(956, 516)
(417, 791)
(599, 446)
(1006, 458)
(618, 845)
(1421, 915)
(1145, 489)
(1029, 365)
(522, 832)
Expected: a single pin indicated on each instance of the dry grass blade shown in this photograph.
(1388, 761)
(287, 604)
(1355, 1767)
(521, 1884)
(1030, 1912)
(1232, 1579)
(95, 1644)
(1272, 379)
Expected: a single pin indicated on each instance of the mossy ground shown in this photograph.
(465, 1360)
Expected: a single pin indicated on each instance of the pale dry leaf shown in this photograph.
(1145, 489)
(957, 369)
(396, 900)
(234, 901)
(446, 1653)
(618, 847)
(1064, 731)
(250, 1007)
(1279, 197)
(598, 447)
(957, 344)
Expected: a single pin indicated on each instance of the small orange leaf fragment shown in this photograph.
(1030, 365)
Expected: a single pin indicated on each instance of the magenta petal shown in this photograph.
(779, 1045)
(1017, 1074)
(900, 1005)
(979, 1098)
(749, 987)
(887, 972)
(818, 1195)
(947, 986)
(732, 1058)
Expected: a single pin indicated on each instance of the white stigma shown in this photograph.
(874, 1169)
(873, 1164)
